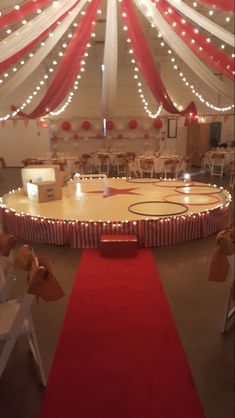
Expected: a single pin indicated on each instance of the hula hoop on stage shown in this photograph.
(216, 199)
(185, 208)
(204, 186)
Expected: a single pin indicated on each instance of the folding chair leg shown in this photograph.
(33, 343)
(6, 352)
(228, 312)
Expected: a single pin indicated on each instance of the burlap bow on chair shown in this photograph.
(225, 245)
(7, 243)
(47, 287)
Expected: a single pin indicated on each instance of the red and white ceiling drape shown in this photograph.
(69, 66)
(15, 46)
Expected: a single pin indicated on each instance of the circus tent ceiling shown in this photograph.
(47, 48)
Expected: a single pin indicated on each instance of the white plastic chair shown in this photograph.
(229, 309)
(16, 320)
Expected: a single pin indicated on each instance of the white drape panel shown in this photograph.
(202, 21)
(27, 33)
(41, 54)
(109, 80)
(182, 50)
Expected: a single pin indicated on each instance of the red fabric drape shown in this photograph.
(25, 10)
(146, 62)
(69, 66)
(209, 53)
(20, 54)
(227, 5)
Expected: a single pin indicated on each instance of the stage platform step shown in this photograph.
(118, 245)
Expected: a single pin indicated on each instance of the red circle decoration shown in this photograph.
(133, 124)
(66, 126)
(86, 125)
(146, 136)
(109, 124)
(157, 123)
(120, 136)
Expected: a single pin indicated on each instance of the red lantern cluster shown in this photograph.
(133, 124)
(109, 125)
(66, 126)
(86, 125)
(158, 124)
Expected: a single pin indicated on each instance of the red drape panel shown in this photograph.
(69, 66)
(209, 53)
(227, 5)
(146, 62)
(5, 65)
(25, 10)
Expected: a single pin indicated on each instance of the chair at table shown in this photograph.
(168, 168)
(16, 320)
(120, 167)
(146, 167)
(229, 309)
(103, 166)
(132, 166)
(205, 163)
(217, 165)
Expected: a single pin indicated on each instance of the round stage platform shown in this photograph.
(158, 212)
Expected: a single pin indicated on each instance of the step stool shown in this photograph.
(118, 245)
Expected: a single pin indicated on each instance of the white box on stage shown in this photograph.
(44, 191)
(87, 183)
(39, 173)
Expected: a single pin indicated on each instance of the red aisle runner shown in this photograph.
(119, 353)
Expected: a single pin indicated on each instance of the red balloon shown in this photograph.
(109, 124)
(66, 126)
(86, 124)
(157, 123)
(133, 124)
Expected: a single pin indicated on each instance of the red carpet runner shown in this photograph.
(119, 354)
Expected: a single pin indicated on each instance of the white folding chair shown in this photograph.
(16, 320)
(229, 309)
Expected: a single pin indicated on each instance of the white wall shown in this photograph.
(19, 142)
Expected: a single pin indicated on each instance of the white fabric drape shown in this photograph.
(182, 50)
(202, 21)
(27, 33)
(41, 54)
(109, 80)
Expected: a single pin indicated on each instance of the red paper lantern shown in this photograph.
(86, 125)
(120, 136)
(157, 123)
(146, 136)
(133, 124)
(44, 124)
(66, 126)
(109, 124)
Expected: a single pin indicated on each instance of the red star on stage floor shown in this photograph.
(112, 191)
